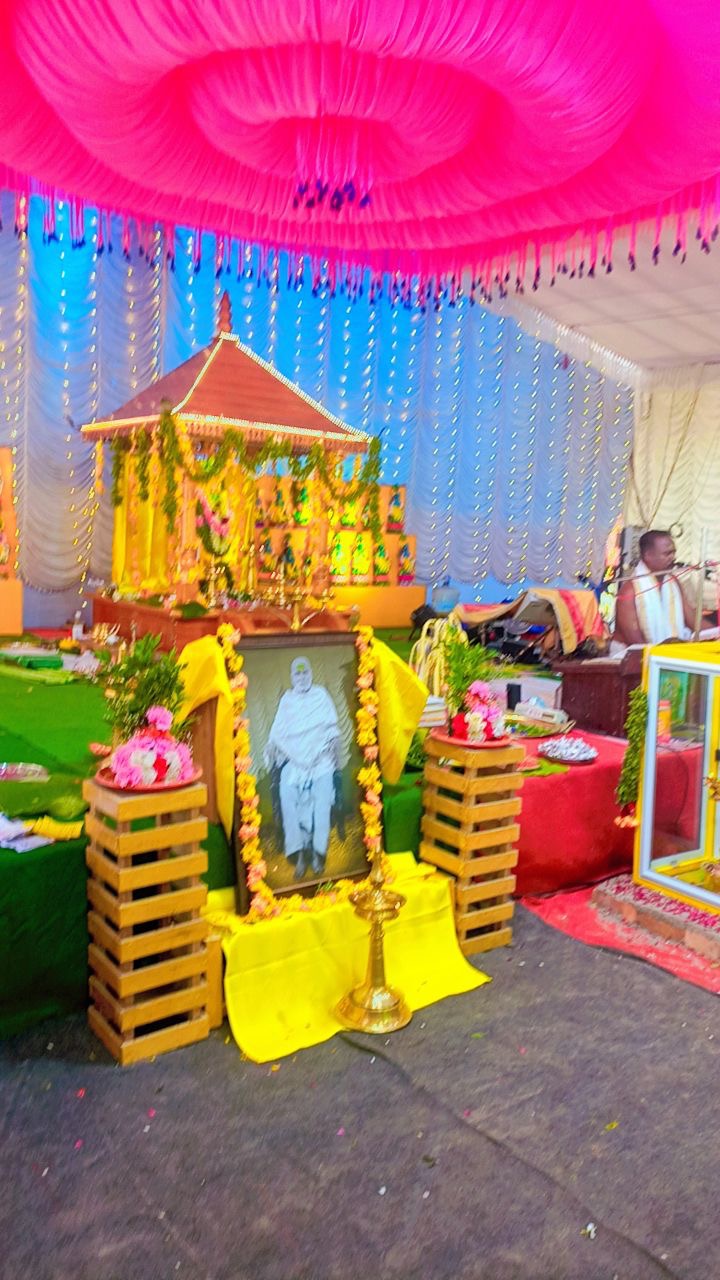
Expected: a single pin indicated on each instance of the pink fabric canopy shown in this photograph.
(408, 136)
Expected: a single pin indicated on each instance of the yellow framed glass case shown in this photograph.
(676, 843)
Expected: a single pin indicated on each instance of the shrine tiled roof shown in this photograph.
(224, 385)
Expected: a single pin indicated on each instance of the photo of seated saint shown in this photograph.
(302, 754)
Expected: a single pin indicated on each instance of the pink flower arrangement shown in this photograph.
(160, 718)
(482, 720)
(219, 525)
(152, 755)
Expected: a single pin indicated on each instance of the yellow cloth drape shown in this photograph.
(284, 977)
(140, 542)
(402, 698)
(205, 677)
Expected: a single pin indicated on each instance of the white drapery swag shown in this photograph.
(674, 480)
(514, 454)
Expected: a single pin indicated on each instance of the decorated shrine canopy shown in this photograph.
(410, 137)
(226, 385)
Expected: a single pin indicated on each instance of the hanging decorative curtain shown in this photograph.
(514, 454)
(674, 480)
(407, 138)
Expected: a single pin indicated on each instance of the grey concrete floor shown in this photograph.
(557, 1124)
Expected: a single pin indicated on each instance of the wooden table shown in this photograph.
(134, 618)
(595, 693)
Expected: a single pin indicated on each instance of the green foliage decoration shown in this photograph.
(233, 446)
(635, 729)
(170, 461)
(465, 663)
(143, 445)
(119, 451)
(143, 678)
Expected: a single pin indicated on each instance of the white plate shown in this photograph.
(568, 751)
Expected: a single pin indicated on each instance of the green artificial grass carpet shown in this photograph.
(50, 725)
(43, 907)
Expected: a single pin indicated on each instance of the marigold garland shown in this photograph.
(264, 903)
(177, 455)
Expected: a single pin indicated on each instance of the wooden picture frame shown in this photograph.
(301, 706)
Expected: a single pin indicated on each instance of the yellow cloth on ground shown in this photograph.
(402, 698)
(284, 977)
(56, 830)
(205, 677)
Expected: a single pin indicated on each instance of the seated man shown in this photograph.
(304, 745)
(651, 606)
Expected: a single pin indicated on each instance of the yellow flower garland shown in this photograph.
(263, 902)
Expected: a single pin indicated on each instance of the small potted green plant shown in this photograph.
(142, 678)
(474, 710)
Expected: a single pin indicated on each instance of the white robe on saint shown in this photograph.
(305, 735)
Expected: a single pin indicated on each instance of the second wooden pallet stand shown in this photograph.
(470, 829)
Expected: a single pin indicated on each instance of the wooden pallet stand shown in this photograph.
(469, 829)
(148, 952)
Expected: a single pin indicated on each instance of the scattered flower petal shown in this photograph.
(340, 1133)
(425, 1195)
(612, 1125)
(79, 1093)
(381, 1191)
(79, 1144)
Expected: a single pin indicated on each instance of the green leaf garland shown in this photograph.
(635, 728)
(119, 450)
(234, 446)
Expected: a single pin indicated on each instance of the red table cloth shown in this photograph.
(568, 834)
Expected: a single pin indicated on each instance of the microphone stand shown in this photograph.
(700, 586)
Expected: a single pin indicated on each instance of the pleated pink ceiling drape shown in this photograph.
(406, 136)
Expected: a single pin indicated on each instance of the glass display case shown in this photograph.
(676, 847)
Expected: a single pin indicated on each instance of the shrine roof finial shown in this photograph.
(225, 315)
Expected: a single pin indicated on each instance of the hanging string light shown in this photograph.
(368, 372)
(527, 501)
(92, 499)
(565, 470)
(12, 372)
(398, 465)
(452, 442)
(513, 524)
(273, 304)
(549, 531)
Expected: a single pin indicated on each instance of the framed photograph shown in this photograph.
(301, 707)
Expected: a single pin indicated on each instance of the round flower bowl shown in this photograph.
(439, 736)
(106, 778)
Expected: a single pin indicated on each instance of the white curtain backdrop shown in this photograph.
(514, 453)
(675, 475)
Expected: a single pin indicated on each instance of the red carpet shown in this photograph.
(572, 914)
